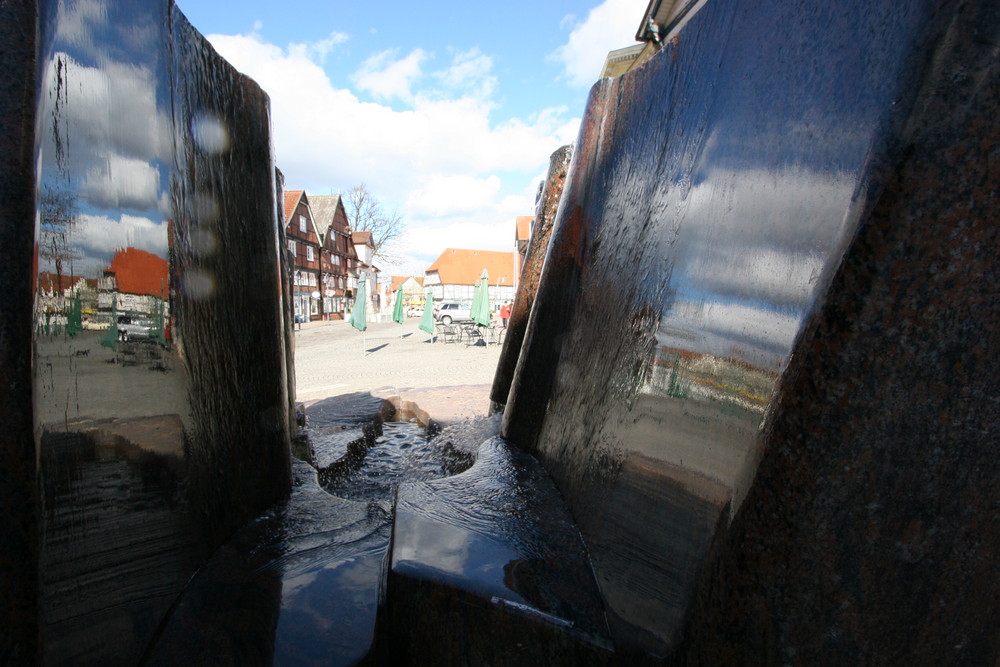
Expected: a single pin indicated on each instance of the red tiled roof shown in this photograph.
(140, 272)
(292, 198)
(51, 281)
(362, 237)
(523, 227)
(399, 280)
(464, 267)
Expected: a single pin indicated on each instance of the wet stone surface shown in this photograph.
(492, 552)
(401, 453)
(301, 583)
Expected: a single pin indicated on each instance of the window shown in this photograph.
(291, 247)
(303, 227)
(312, 280)
(309, 253)
(336, 260)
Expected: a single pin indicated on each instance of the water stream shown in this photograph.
(402, 453)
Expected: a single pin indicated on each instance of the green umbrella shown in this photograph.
(481, 301)
(427, 321)
(397, 311)
(110, 337)
(359, 319)
(74, 320)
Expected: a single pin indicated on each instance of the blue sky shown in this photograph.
(447, 111)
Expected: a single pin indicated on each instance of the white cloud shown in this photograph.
(387, 77)
(319, 50)
(774, 257)
(610, 25)
(448, 137)
(121, 182)
(112, 107)
(470, 72)
(102, 236)
(444, 195)
(431, 242)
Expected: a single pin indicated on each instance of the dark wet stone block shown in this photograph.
(779, 252)
(459, 443)
(118, 535)
(871, 533)
(531, 272)
(18, 472)
(299, 585)
(341, 429)
(356, 408)
(488, 568)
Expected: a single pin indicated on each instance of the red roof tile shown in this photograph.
(524, 227)
(292, 198)
(399, 280)
(456, 266)
(140, 272)
(51, 281)
(362, 237)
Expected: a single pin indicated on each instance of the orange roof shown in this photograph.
(399, 280)
(524, 227)
(140, 272)
(362, 237)
(292, 198)
(50, 282)
(464, 267)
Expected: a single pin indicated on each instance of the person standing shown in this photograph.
(505, 313)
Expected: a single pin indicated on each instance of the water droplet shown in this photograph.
(198, 285)
(210, 134)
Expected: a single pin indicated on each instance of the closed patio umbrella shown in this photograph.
(359, 318)
(397, 310)
(481, 301)
(427, 321)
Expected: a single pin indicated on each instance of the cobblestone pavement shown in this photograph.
(333, 358)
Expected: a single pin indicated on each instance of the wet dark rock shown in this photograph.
(119, 527)
(531, 272)
(459, 443)
(758, 368)
(18, 502)
(488, 567)
(341, 429)
(298, 585)
(758, 365)
(161, 408)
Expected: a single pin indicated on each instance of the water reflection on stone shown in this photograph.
(299, 585)
(145, 398)
(699, 227)
(483, 549)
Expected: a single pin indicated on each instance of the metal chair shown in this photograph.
(473, 334)
(447, 333)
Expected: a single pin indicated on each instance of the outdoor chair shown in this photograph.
(473, 335)
(447, 333)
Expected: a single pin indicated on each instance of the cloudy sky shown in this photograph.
(448, 111)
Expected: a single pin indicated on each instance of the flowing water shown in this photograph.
(403, 453)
